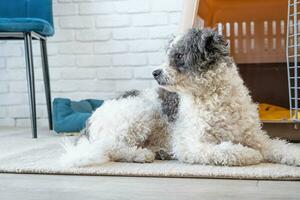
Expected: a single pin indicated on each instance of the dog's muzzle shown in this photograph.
(158, 76)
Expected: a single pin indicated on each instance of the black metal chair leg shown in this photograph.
(46, 80)
(30, 81)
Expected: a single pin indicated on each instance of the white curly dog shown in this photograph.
(202, 113)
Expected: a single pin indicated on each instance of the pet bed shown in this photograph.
(71, 116)
(268, 112)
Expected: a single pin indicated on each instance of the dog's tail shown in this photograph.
(82, 153)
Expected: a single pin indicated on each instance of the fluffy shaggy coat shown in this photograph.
(201, 114)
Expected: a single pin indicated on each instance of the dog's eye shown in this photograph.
(179, 56)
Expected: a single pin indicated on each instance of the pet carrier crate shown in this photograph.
(263, 38)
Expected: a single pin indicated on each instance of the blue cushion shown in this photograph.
(81, 106)
(71, 116)
(26, 15)
(26, 25)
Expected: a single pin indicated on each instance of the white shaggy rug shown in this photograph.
(21, 154)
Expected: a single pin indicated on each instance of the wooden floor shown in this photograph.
(40, 187)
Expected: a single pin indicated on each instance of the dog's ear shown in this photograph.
(212, 45)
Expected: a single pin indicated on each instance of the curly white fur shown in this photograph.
(217, 122)
(225, 129)
(118, 130)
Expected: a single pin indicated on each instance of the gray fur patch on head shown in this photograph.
(130, 93)
(169, 103)
(197, 50)
(172, 41)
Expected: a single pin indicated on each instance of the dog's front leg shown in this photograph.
(275, 150)
(225, 153)
(279, 151)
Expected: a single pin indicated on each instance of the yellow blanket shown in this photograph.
(272, 112)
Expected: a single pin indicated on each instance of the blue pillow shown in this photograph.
(71, 116)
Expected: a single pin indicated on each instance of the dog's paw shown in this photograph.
(293, 158)
(250, 157)
(237, 155)
(144, 156)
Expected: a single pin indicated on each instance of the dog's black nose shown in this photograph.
(157, 73)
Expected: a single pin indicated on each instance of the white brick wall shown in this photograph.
(101, 48)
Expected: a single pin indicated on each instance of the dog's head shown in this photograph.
(189, 56)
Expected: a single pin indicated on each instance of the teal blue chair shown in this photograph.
(29, 20)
